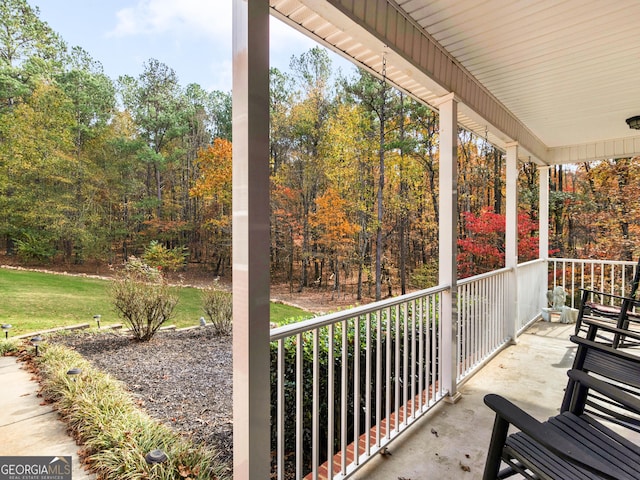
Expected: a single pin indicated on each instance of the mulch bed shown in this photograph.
(182, 378)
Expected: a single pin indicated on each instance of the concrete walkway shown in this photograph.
(27, 427)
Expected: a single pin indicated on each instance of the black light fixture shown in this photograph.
(73, 373)
(36, 341)
(97, 319)
(156, 456)
(6, 327)
(634, 122)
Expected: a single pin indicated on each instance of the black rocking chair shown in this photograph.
(581, 443)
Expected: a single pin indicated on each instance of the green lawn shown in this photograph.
(33, 301)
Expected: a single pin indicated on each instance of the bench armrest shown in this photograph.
(598, 324)
(561, 445)
(632, 301)
(610, 391)
(605, 348)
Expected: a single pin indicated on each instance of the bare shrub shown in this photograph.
(218, 307)
(142, 299)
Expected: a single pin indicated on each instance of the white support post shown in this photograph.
(543, 212)
(511, 240)
(251, 398)
(448, 266)
(543, 227)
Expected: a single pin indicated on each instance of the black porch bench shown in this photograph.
(581, 442)
(622, 316)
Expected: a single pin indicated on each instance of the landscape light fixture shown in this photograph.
(36, 341)
(156, 456)
(203, 322)
(634, 122)
(97, 319)
(73, 373)
(6, 327)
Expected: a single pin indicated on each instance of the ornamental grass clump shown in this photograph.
(115, 433)
(8, 346)
(142, 298)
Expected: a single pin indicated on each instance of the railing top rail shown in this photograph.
(332, 318)
(483, 276)
(532, 262)
(591, 260)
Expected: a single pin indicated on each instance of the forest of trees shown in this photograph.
(94, 169)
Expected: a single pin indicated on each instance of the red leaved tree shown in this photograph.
(482, 250)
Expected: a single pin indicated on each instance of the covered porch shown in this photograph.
(548, 83)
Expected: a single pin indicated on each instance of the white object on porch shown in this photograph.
(557, 298)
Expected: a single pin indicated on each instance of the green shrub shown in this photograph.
(142, 299)
(161, 257)
(34, 249)
(424, 276)
(218, 307)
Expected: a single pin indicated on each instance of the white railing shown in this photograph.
(609, 276)
(344, 385)
(532, 287)
(482, 319)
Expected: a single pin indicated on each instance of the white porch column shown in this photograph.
(511, 239)
(251, 396)
(543, 228)
(543, 212)
(448, 266)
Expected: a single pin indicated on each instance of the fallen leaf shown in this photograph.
(434, 431)
(464, 467)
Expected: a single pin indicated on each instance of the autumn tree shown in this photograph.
(372, 95)
(214, 188)
(350, 169)
(334, 231)
(482, 249)
(305, 167)
(603, 195)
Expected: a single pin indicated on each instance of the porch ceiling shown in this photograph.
(558, 77)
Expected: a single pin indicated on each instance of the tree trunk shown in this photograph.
(380, 198)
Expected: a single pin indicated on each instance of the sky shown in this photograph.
(193, 37)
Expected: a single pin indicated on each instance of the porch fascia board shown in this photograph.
(588, 152)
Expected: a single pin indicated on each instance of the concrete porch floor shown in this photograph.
(451, 441)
